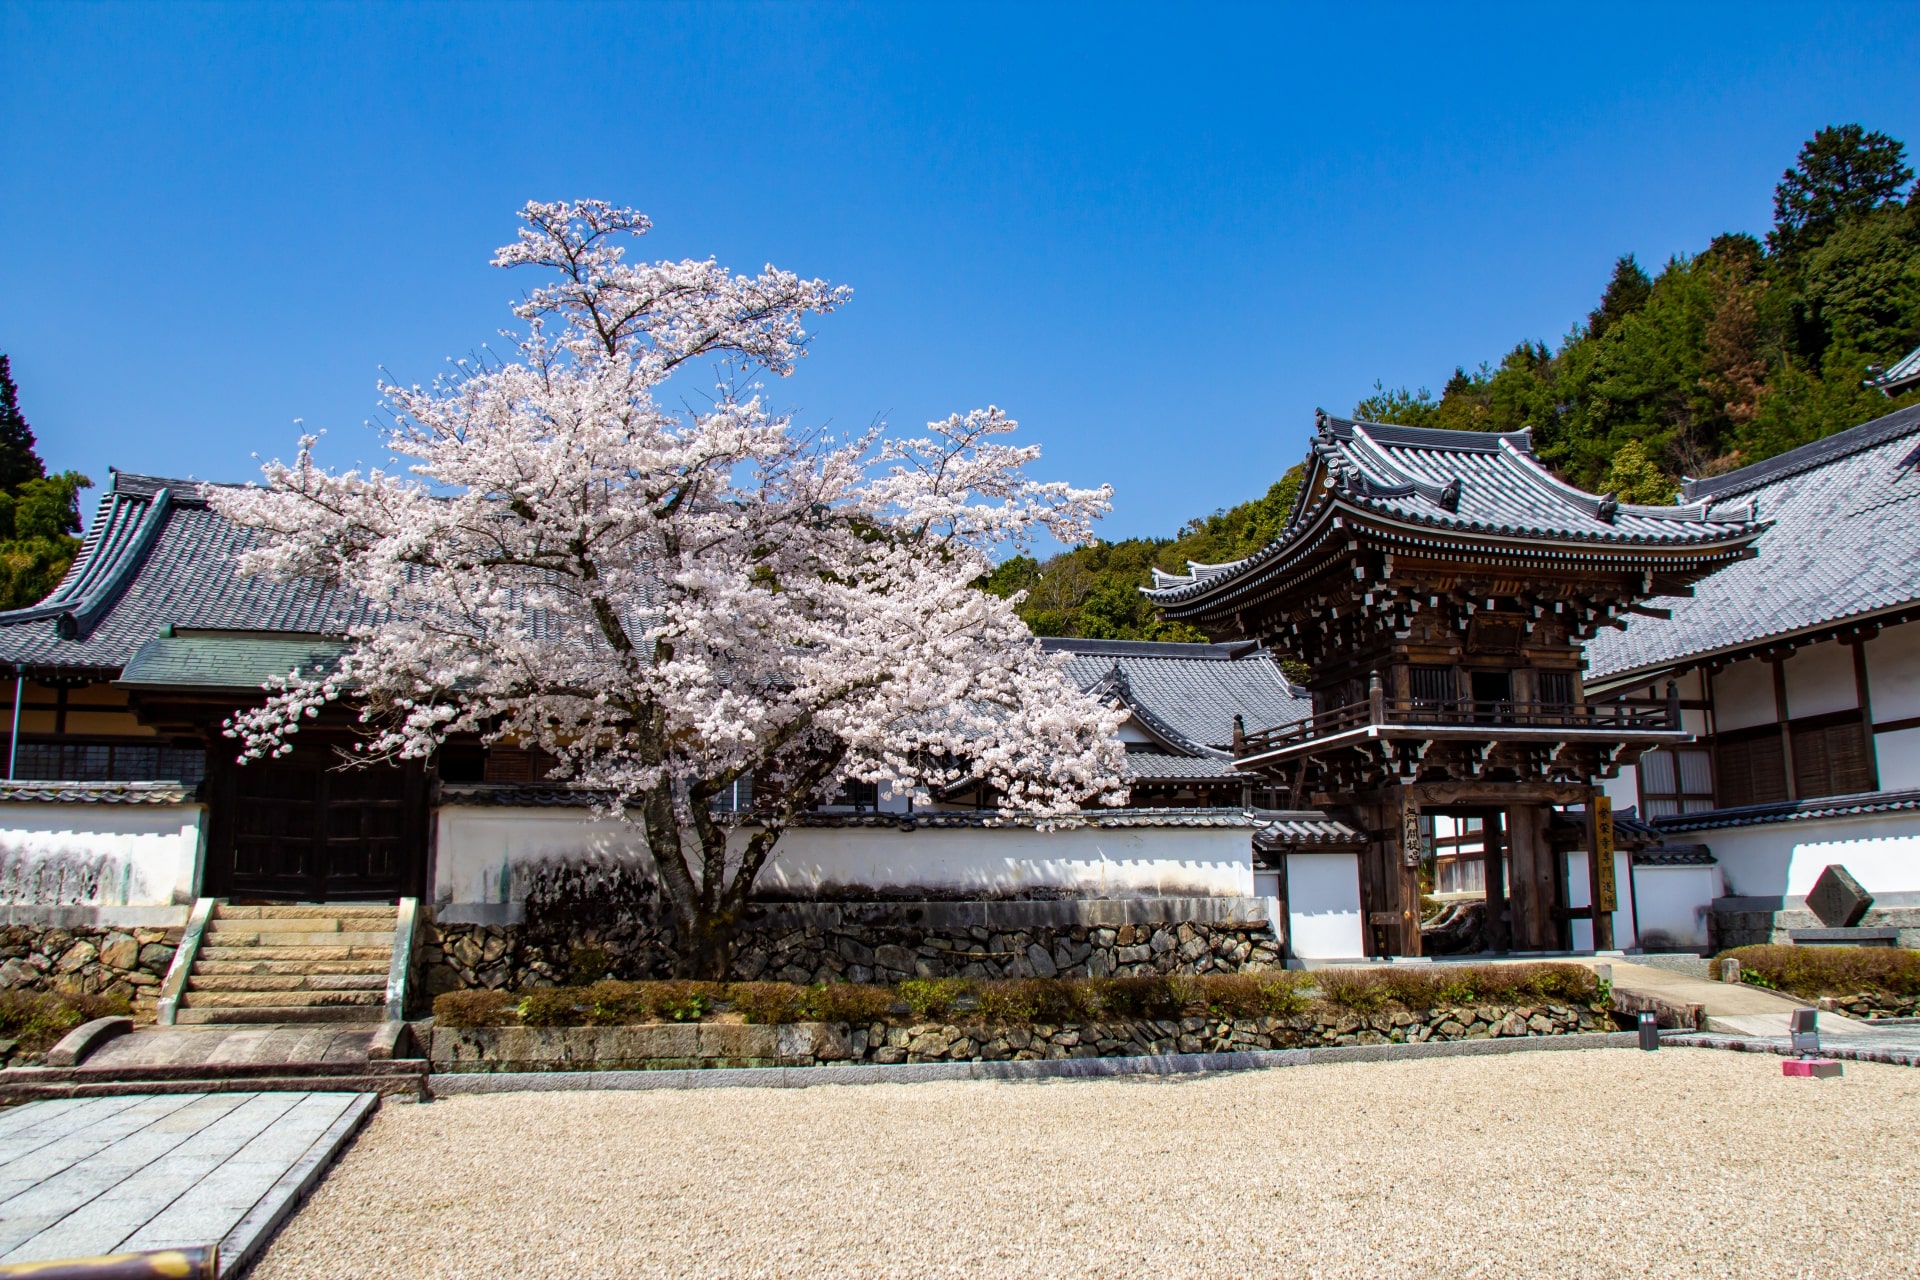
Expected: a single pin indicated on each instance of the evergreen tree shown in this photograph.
(1841, 173)
(18, 461)
(1626, 293)
(39, 514)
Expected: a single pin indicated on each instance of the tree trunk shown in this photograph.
(706, 945)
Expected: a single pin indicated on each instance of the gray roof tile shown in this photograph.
(1844, 543)
(148, 562)
(1188, 694)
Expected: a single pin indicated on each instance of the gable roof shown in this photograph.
(1904, 374)
(1844, 543)
(1187, 694)
(1465, 483)
(157, 555)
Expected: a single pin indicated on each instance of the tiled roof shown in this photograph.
(1188, 694)
(1164, 766)
(1465, 482)
(23, 792)
(1844, 543)
(157, 555)
(1904, 373)
(1302, 828)
(225, 661)
(1792, 811)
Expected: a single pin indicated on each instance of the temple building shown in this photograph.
(1440, 586)
(1799, 680)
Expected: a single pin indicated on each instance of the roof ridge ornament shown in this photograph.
(1607, 508)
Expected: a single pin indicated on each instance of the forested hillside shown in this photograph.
(1739, 352)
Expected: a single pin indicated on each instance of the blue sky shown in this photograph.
(1160, 237)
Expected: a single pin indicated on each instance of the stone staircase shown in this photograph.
(291, 964)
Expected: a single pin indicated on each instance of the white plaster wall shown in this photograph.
(1893, 672)
(1624, 790)
(1885, 864)
(1743, 696)
(1323, 907)
(1673, 903)
(99, 854)
(1097, 862)
(1757, 861)
(1579, 894)
(481, 856)
(1898, 755)
(1820, 680)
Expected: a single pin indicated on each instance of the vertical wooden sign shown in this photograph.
(1412, 847)
(1606, 896)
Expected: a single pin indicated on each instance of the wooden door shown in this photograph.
(303, 829)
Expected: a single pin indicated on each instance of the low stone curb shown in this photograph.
(451, 1083)
(1893, 1057)
(252, 1232)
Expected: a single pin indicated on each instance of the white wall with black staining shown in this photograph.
(100, 855)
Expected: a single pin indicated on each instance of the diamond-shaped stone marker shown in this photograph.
(1838, 899)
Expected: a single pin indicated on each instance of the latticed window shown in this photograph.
(108, 762)
(1555, 688)
(1830, 757)
(1752, 768)
(1676, 780)
(861, 795)
(1430, 686)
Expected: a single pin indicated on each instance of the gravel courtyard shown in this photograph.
(1594, 1163)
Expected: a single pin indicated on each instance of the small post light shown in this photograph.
(1649, 1031)
(1804, 1026)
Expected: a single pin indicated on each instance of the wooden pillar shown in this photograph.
(1532, 891)
(1408, 852)
(1493, 842)
(1601, 885)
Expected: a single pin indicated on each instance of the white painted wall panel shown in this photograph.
(483, 855)
(1890, 864)
(99, 854)
(1743, 696)
(1899, 757)
(1673, 904)
(1323, 906)
(1756, 861)
(1820, 680)
(1893, 672)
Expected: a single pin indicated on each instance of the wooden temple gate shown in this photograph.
(1438, 585)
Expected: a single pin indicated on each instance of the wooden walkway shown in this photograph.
(94, 1175)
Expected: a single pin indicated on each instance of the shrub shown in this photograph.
(588, 964)
(932, 997)
(37, 1019)
(768, 1002)
(1250, 995)
(1048, 1000)
(550, 1007)
(680, 1001)
(475, 1009)
(1831, 971)
(847, 1002)
(1154, 997)
(1361, 990)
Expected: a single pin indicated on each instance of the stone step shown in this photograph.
(274, 999)
(286, 982)
(335, 912)
(228, 954)
(279, 938)
(229, 968)
(407, 1084)
(280, 1013)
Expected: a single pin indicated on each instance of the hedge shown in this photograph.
(1050, 1001)
(1829, 971)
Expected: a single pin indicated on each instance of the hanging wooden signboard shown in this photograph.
(1412, 847)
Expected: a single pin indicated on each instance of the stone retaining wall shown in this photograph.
(877, 943)
(812, 1043)
(1732, 927)
(87, 960)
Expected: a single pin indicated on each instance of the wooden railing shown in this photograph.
(1624, 718)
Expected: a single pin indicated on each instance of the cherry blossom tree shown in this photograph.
(671, 600)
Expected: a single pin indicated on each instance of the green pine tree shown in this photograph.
(39, 514)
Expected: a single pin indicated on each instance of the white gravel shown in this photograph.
(1594, 1163)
